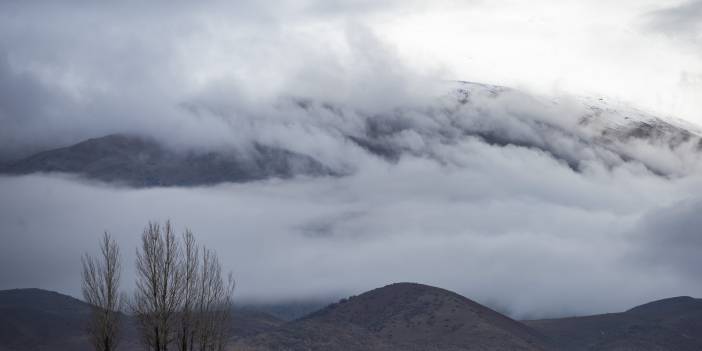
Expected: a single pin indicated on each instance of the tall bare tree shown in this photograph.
(182, 300)
(191, 282)
(158, 295)
(101, 284)
(214, 304)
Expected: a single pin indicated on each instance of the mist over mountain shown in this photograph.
(579, 133)
(557, 185)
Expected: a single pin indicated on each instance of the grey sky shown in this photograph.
(681, 21)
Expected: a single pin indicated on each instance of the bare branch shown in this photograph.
(101, 281)
(181, 297)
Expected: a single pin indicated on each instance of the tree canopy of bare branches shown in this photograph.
(101, 283)
(181, 298)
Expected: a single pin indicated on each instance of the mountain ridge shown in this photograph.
(399, 316)
(673, 324)
(143, 162)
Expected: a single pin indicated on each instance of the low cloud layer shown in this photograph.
(512, 227)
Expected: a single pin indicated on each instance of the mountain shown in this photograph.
(247, 322)
(286, 310)
(673, 324)
(403, 316)
(143, 162)
(33, 320)
(40, 320)
(574, 131)
(397, 317)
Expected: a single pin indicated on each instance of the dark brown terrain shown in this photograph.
(33, 319)
(670, 324)
(40, 320)
(403, 316)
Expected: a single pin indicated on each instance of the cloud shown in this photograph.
(96, 69)
(503, 219)
(672, 239)
(507, 197)
(25, 103)
(680, 22)
(102, 69)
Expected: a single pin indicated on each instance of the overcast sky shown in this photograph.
(509, 226)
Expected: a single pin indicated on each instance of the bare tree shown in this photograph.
(181, 298)
(101, 280)
(158, 295)
(190, 266)
(214, 304)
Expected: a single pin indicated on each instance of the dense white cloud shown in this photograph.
(511, 227)
(90, 69)
(583, 47)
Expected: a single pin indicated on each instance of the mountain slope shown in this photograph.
(402, 316)
(33, 319)
(669, 324)
(405, 316)
(139, 162)
(40, 320)
(247, 322)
